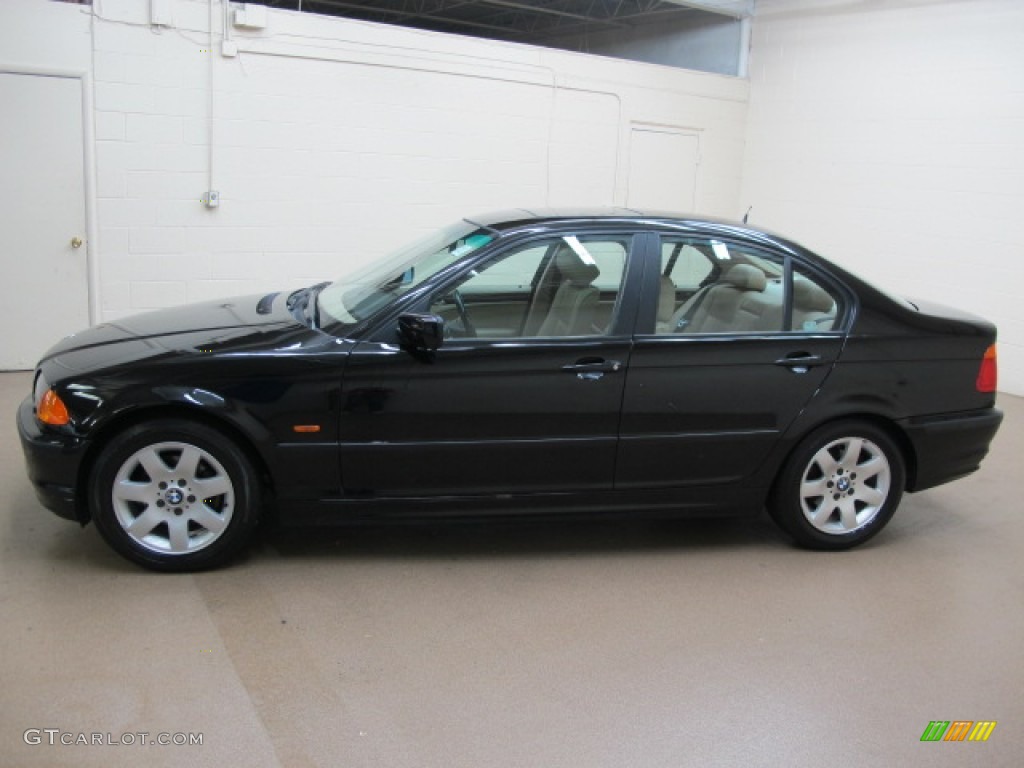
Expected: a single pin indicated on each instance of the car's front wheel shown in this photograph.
(174, 495)
(840, 486)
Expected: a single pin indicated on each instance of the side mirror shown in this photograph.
(423, 333)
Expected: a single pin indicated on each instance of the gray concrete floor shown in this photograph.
(582, 645)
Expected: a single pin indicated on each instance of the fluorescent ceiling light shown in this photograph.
(580, 251)
(721, 250)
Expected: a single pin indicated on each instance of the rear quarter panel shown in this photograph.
(899, 365)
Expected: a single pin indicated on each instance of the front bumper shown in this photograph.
(53, 460)
(951, 445)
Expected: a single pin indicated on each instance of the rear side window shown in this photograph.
(711, 286)
(684, 265)
(814, 305)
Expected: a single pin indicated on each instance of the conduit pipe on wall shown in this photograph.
(209, 53)
(743, 64)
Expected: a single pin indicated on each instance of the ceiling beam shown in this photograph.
(738, 9)
(403, 15)
(525, 20)
(539, 9)
(633, 20)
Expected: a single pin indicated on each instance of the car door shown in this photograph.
(524, 394)
(735, 342)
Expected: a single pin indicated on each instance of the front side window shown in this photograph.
(561, 286)
(358, 296)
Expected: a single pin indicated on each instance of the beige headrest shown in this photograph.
(809, 297)
(666, 299)
(572, 267)
(745, 277)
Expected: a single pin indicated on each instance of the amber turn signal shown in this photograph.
(987, 374)
(51, 410)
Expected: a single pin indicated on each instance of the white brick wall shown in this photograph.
(334, 141)
(884, 135)
(888, 136)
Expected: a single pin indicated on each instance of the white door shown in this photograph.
(44, 284)
(662, 169)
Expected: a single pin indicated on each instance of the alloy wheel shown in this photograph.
(173, 498)
(845, 485)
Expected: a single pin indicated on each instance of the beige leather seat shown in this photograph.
(722, 309)
(572, 309)
(666, 305)
(736, 303)
(813, 308)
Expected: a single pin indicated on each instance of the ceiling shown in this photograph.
(527, 21)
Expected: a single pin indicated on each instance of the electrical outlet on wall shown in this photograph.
(212, 199)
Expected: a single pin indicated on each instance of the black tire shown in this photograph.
(840, 486)
(174, 495)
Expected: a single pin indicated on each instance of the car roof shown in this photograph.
(525, 218)
(511, 218)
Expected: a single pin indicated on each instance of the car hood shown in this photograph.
(211, 326)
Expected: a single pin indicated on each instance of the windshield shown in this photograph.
(359, 295)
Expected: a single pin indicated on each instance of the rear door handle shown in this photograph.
(799, 362)
(592, 368)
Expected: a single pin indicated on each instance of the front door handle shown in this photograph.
(592, 368)
(799, 362)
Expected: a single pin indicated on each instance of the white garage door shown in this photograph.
(662, 169)
(43, 256)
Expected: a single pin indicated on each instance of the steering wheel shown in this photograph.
(460, 307)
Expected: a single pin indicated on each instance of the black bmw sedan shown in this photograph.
(517, 363)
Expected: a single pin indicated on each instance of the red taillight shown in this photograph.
(987, 373)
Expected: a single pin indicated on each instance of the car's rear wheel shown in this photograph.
(174, 495)
(840, 486)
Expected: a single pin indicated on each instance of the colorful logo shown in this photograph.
(958, 730)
